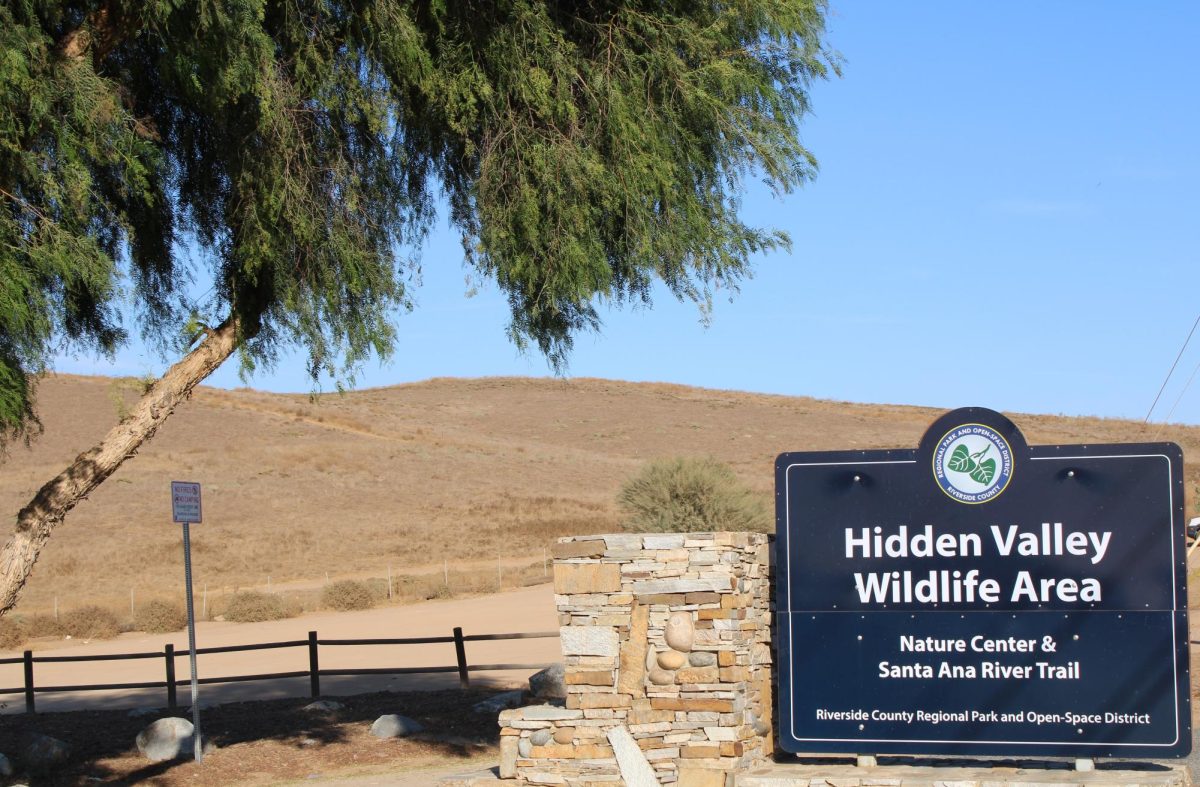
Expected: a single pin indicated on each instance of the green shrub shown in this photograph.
(90, 622)
(159, 617)
(686, 494)
(251, 606)
(346, 595)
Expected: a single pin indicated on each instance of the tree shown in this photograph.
(287, 153)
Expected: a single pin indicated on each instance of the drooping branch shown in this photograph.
(101, 32)
(38, 519)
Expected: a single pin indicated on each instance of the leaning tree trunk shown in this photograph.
(56, 498)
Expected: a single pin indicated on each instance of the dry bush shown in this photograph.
(159, 617)
(686, 494)
(13, 633)
(43, 626)
(251, 606)
(347, 594)
(90, 622)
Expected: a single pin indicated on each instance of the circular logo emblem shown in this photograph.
(972, 463)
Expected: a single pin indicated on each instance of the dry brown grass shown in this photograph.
(466, 471)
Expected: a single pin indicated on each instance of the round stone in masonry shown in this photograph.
(661, 677)
(671, 659)
(680, 632)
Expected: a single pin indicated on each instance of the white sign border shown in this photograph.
(791, 643)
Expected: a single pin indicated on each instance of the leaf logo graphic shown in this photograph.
(973, 463)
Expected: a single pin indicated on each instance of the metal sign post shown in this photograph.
(185, 509)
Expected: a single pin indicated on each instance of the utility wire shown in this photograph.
(1172, 371)
(1177, 400)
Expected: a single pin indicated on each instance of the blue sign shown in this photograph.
(978, 595)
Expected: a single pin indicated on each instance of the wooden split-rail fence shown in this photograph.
(314, 672)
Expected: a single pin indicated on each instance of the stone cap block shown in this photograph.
(539, 713)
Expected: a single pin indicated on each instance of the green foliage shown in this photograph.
(346, 595)
(685, 494)
(159, 617)
(251, 606)
(287, 155)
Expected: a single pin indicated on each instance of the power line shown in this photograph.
(1172, 371)
(1177, 400)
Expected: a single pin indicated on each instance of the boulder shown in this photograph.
(508, 699)
(702, 658)
(541, 737)
(42, 752)
(680, 632)
(165, 739)
(661, 677)
(393, 725)
(550, 683)
(672, 659)
(323, 706)
(137, 713)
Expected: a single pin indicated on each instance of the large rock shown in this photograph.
(138, 713)
(43, 752)
(323, 706)
(550, 683)
(661, 677)
(672, 659)
(166, 739)
(508, 699)
(680, 632)
(393, 725)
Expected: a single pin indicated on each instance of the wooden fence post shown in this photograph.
(29, 707)
(314, 667)
(169, 661)
(464, 681)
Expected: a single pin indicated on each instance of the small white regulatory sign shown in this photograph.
(185, 502)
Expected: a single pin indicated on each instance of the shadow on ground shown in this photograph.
(103, 748)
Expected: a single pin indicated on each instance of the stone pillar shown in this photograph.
(666, 635)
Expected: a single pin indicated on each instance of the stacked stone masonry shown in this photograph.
(666, 636)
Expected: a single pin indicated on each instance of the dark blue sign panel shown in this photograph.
(978, 595)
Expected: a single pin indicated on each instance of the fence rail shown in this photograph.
(314, 672)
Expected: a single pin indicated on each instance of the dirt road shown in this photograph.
(525, 610)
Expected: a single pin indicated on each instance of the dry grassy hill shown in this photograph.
(407, 476)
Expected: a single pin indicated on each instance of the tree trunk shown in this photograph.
(56, 498)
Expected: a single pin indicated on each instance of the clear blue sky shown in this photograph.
(1007, 215)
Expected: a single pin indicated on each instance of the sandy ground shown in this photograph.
(525, 610)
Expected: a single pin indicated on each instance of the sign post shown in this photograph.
(981, 596)
(185, 509)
